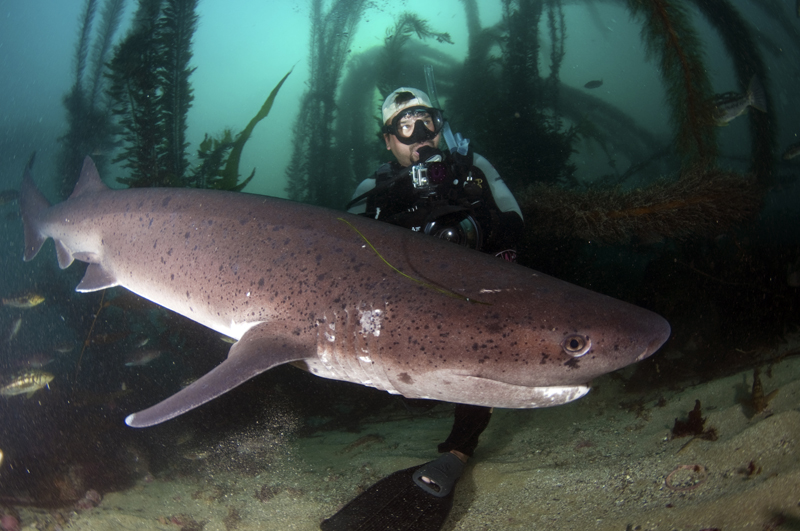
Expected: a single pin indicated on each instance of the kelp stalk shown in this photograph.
(82, 49)
(311, 176)
(88, 117)
(151, 92)
(109, 23)
(669, 35)
(176, 28)
(558, 33)
(747, 61)
(136, 93)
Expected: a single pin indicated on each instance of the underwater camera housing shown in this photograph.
(428, 175)
(445, 221)
(461, 229)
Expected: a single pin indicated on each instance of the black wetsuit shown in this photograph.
(465, 193)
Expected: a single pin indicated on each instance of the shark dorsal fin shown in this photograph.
(89, 181)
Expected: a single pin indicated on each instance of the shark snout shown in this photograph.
(659, 331)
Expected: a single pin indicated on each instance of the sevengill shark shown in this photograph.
(339, 295)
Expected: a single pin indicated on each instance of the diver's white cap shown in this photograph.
(391, 107)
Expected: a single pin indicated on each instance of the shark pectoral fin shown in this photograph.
(96, 278)
(262, 347)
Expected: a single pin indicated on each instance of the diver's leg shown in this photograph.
(417, 498)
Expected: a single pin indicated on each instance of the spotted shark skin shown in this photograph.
(341, 296)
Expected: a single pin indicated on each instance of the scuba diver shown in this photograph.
(458, 196)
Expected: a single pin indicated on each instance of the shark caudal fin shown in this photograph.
(31, 205)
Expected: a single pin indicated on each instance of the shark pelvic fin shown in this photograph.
(263, 347)
(64, 255)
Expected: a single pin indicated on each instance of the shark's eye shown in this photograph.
(576, 346)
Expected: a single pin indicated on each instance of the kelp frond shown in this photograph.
(135, 92)
(737, 36)
(557, 28)
(229, 177)
(520, 58)
(88, 119)
(669, 36)
(109, 24)
(406, 26)
(151, 93)
(82, 49)
(176, 28)
(701, 203)
(212, 153)
(311, 176)
(409, 24)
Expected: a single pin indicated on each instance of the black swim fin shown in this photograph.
(402, 501)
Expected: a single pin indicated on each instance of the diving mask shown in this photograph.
(415, 125)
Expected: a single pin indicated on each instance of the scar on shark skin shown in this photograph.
(438, 289)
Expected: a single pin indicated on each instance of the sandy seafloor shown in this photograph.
(598, 463)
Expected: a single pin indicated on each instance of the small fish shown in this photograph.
(15, 327)
(38, 360)
(139, 358)
(196, 456)
(65, 347)
(109, 337)
(6, 196)
(27, 383)
(729, 105)
(793, 150)
(594, 84)
(140, 342)
(185, 437)
(28, 300)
